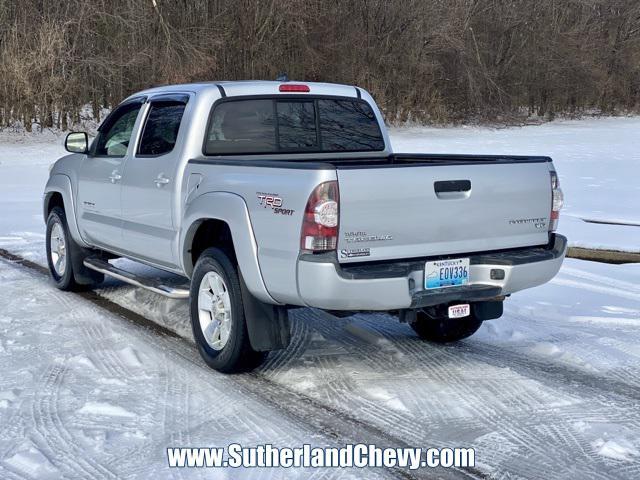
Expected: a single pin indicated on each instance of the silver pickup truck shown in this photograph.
(274, 195)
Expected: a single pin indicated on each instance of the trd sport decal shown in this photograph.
(274, 202)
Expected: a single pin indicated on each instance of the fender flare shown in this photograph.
(231, 209)
(60, 183)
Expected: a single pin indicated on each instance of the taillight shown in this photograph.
(320, 223)
(294, 87)
(557, 199)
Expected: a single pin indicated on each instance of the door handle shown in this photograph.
(161, 180)
(115, 176)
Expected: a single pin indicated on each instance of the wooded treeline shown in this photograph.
(425, 60)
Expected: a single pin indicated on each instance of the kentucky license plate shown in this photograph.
(446, 273)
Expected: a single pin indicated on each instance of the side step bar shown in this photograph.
(155, 286)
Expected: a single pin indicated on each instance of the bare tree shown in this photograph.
(425, 60)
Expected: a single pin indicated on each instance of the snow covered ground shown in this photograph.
(84, 394)
(553, 386)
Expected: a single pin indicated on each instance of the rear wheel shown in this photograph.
(217, 315)
(442, 329)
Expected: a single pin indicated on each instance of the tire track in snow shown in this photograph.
(606, 290)
(7, 474)
(65, 453)
(602, 279)
(626, 387)
(563, 377)
(64, 301)
(341, 385)
(432, 366)
(610, 342)
(104, 360)
(524, 435)
(299, 342)
(299, 409)
(387, 418)
(175, 390)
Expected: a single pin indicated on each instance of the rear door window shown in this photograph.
(160, 130)
(292, 125)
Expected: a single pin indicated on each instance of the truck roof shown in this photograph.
(255, 87)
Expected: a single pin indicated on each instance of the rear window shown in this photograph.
(288, 125)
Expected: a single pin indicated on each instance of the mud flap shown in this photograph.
(81, 274)
(268, 325)
(487, 310)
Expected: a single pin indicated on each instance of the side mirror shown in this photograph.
(77, 142)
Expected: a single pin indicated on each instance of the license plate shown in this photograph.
(459, 311)
(446, 273)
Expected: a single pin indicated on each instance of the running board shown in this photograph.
(152, 285)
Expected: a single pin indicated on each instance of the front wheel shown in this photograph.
(217, 315)
(442, 329)
(65, 257)
(59, 250)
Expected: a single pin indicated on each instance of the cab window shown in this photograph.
(246, 126)
(292, 125)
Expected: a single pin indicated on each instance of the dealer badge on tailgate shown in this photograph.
(446, 273)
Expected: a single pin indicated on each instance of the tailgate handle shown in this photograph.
(450, 189)
(452, 186)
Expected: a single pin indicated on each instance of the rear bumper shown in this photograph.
(323, 283)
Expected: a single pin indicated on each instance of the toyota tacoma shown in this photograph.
(272, 195)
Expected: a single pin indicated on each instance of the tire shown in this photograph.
(58, 245)
(217, 315)
(68, 272)
(443, 329)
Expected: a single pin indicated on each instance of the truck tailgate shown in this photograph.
(441, 208)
